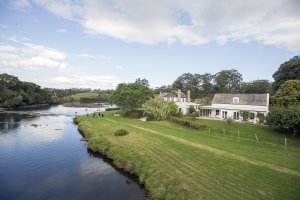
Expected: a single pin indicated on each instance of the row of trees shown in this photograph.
(225, 81)
(231, 81)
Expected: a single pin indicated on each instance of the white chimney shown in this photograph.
(188, 99)
(179, 95)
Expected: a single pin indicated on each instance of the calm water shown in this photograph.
(50, 162)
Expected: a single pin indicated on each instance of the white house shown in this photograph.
(182, 101)
(230, 106)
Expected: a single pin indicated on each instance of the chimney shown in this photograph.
(188, 99)
(160, 94)
(179, 95)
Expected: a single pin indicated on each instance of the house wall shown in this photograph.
(231, 109)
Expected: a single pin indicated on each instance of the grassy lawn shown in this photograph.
(175, 162)
(76, 97)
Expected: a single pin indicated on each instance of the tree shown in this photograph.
(206, 86)
(188, 81)
(256, 86)
(285, 117)
(228, 81)
(131, 95)
(143, 81)
(289, 70)
(288, 93)
(159, 109)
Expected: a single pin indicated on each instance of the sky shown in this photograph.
(98, 44)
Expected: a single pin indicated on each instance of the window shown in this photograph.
(236, 115)
(252, 115)
(180, 110)
(235, 100)
(217, 112)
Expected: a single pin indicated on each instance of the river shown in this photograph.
(48, 160)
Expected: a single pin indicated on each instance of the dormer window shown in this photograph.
(235, 100)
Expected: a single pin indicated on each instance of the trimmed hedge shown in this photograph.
(187, 123)
(121, 132)
(110, 109)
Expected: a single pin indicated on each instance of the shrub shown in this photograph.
(134, 113)
(261, 117)
(160, 109)
(187, 123)
(245, 115)
(229, 120)
(192, 110)
(110, 109)
(121, 132)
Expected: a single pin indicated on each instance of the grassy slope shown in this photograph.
(175, 162)
(76, 97)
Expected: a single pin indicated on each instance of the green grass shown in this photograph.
(175, 162)
(76, 97)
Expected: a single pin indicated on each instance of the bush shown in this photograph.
(121, 132)
(229, 120)
(110, 109)
(150, 117)
(133, 113)
(187, 123)
(261, 117)
(245, 115)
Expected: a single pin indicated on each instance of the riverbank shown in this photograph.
(175, 162)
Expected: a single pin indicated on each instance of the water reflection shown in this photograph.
(50, 162)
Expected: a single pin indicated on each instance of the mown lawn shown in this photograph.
(175, 162)
(76, 97)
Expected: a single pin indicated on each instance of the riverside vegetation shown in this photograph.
(177, 162)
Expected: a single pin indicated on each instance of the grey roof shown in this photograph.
(244, 99)
(173, 95)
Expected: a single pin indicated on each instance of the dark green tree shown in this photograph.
(228, 81)
(143, 81)
(256, 86)
(288, 93)
(289, 70)
(131, 95)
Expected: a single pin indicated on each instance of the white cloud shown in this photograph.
(3, 26)
(119, 67)
(81, 81)
(193, 22)
(31, 56)
(20, 4)
(86, 55)
(62, 30)
(12, 38)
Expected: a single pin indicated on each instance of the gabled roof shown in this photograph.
(243, 99)
(173, 95)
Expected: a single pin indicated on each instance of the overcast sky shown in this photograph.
(100, 43)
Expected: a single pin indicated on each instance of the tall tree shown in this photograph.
(228, 81)
(256, 86)
(143, 81)
(289, 70)
(188, 81)
(288, 93)
(131, 95)
(285, 113)
(206, 86)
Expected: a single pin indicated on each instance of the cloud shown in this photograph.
(33, 57)
(81, 81)
(89, 56)
(3, 26)
(119, 67)
(20, 4)
(62, 30)
(193, 23)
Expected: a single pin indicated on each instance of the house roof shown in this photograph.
(173, 95)
(243, 99)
